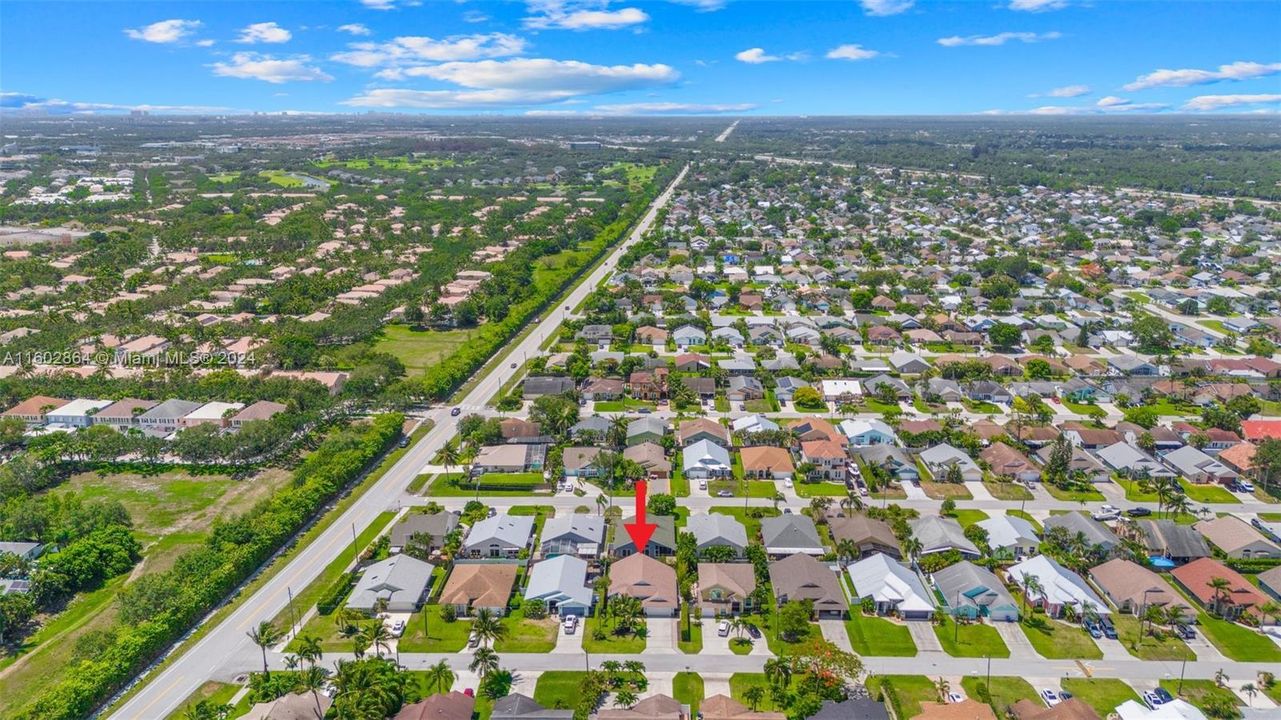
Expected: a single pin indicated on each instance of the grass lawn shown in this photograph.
(743, 515)
(1166, 647)
(1025, 516)
(1007, 490)
(559, 688)
(876, 406)
(1167, 406)
(689, 631)
(419, 350)
(527, 636)
(1133, 491)
(878, 636)
(1090, 495)
(755, 488)
(1002, 691)
(974, 640)
(1238, 643)
(777, 644)
(741, 646)
(820, 489)
(979, 406)
(440, 636)
(281, 178)
(1081, 408)
(904, 693)
(1059, 641)
(942, 491)
(1102, 694)
(1198, 691)
(687, 687)
(1207, 493)
(217, 693)
(316, 589)
(494, 484)
(968, 516)
(623, 405)
(612, 644)
(740, 683)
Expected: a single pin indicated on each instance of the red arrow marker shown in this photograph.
(640, 530)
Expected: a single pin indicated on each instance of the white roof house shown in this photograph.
(705, 459)
(561, 582)
(1175, 710)
(892, 586)
(941, 457)
(210, 412)
(76, 413)
(1060, 587)
(753, 423)
(835, 389)
(1012, 534)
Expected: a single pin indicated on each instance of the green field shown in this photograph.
(1101, 694)
(633, 174)
(878, 636)
(1007, 490)
(1198, 692)
(527, 636)
(687, 687)
(439, 636)
(973, 640)
(1239, 643)
(224, 177)
(1059, 641)
(1002, 691)
(496, 484)
(752, 524)
(1082, 496)
(967, 516)
(740, 683)
(1166, 647)
(612, 644)
(419, 350)
(281, 178)
(559, 688)
(401, 163)
(904, 693)
(217, 693)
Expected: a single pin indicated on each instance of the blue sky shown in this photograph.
(548, 57)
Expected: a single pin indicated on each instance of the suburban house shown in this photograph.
(892, 459)
(1095, 532)
(122, 413)
(1167, 539)
(652, 457)
(651, 581)
(1197, 466)
(1131, 588)
(510, 458)
(688, 335)
(801, 577)
(974, 592)
(692, 431)
(894, 588)
(165, 417)
(764, 462)
(1082, 461)
(646, 429)
(661, 544)
(1005, 462)
(725, 588)
(78, 413)
(863, 432)
(500, 536)
(941, 458)
(1240, 596)
(212, 413)
(1237, 539)
(580, 462)
(1060, 588)
(477, 586)
(449, 706)
(827, 457)
(790, 534)
(261, 410)
(1130, 461)
(428, 530)
(654, 707)
(938, 534)
(397, 584)
(522, 707)
(1010, 537)
(869, 535)
(34, 409)
(706, 460)
(577, 534)
(561, 583)
(293, 706)
(717, 530)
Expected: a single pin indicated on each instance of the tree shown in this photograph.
(16, 610)
(778, 672)
(484, 661)
(794, 618)
(1221, 587)
(625, 699)
(449, 456)
(754, 695)
(807, 398)
(1152, 334)
(1142, 415)
(439, 678)
(1004, 335)
(1031, 587)
(309, 649)
(206, 710)
(488, 627)
(264, 636)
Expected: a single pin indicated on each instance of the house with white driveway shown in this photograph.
(561, 583)
(893, 587)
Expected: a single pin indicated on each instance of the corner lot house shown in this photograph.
(1197, 466)
(1237, 539)
(401, 581)
(561, 582)
(790, 534)
(651, 581)
(895, 589)
(1060, 588)
(1240, 597)
(725, 588)
(33, 410)
(477, 586)
(974, 592)
(501, 536)
(801, 577)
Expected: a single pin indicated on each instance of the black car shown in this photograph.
(1164, 695)
(1185, 631)
(1109, 630)
(1138, 512)
(754, 631)
(455, 412)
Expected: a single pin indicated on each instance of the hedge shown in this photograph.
(232, 551)
(336, 593)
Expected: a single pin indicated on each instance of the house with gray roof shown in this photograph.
(430, 530)
(1165, 538)
(1198, 467)
(974, 592)
(1130, 461)
(661, 544)
(790, 534)
(1095, 532)
(523, 707)
(940, 458)
(646, 429)
(501, 536)
(166, 417)
(939, 534)
(561, 582)
(538, 386)
(400, 581)
(892, 458)
(577, 534)
(715, 529)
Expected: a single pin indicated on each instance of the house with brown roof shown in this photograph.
(1004, 461)
(645, 385)
(1240, 458)
(762, 462)
(725, 588)
(651, 581)
(449, 706)
(868, 534)
(652, 457)
(967, 709)
(602, 389)
(691, 431)
(122, 414)
(294, 706)
(261, 410)
(1131, 587)
(516, 430)
(476, 586)
(1240, 597)
(802, 577)
(1236, 538)
(654, 707)
(722, 707)
(650, 335)
(813, 428)
(34, 409)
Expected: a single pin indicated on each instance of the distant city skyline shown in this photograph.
(684, 57)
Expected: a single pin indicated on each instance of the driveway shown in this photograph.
(569, 643)
(913, 491)
(1016, 640)
(713, 643)
(834, 632)
(978, 490)
(1204, 649)
(924, 637)
(1113, 649)
(662, 636)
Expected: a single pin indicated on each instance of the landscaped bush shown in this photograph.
(336, 593)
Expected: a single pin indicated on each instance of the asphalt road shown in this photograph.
(227, 647)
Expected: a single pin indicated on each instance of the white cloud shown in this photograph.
(1111, 101)
(1069, 91)
(851, 52)
(998, 39)
(165, 31)
(31, 103)
(882, 8)
(674, 108)
(204, 43)
(450, 99)
(703, 5)
(755, 56)
(355, 29)
(416, 49)
(1181, 78)
(379, 4)
(264, 32)
(474, 16)
(255, 66)
(1037, 5)
(581, 15)
(1203, 103)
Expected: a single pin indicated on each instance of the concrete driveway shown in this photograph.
(713, 643)
(834, 632)
(924, 637)
(662, 636)
(566, 643)
(1016, 640)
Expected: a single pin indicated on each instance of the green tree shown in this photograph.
(264, 636)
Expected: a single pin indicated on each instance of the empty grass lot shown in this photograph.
(1102, 694)
(1007, 490)
(745, 516)
(217, 693)
(970, 640)
(1198, 691)
(687, 687)
(612, 644)
(967, 517)
(878, 636)
(1090, 495)
(439, 636)
(1057, 640)
(419, 350)
(740, 683)
(559, 688)
(942, 491)
(527, 636)
(820, 489)
(904, 693)
(1004, 691)
(1167, 646)
(1239, 643)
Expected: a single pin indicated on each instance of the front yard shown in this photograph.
(1238, 643)
(1057, 640)
(527, 636)
(612, 643)
(877, 636)
(1004, 490)
(1202, 693)
(559, 688)
(972, 640)
(1102, 694)
(1001, 693)
(904, 693)
(943, 491)
(1166, 647)
(439, 636)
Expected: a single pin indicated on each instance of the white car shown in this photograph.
(1107, 512)
(570, 624)
(1050, 697)
(955, 697)
(787, 483)
(702, 484)
(723, 628)
(398, 628)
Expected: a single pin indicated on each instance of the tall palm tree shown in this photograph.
(488, 627)
(1031, 586)
(1250, 691)
(309, 649)
(264, 636)
(846, 550)
(1178, 504)
(449, 456)
(440, 678)
(754, 695)
(347, 621)
(943, 687)
(617, 433)
(312, 680)
(1220, 586)
(484, 661)
(625, 699)
(377, 635)
(851, 502)
(778, 672)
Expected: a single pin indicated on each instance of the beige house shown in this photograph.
(725, 588)
(651, 581)
(476, 586)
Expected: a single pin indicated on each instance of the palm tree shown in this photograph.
(851, 502)
(1178, 504)
(601, 502)
(347, 621)
(1220, 586)
(488, 627)
(309, 649)
(912, 546)
(264, 636)
(440, 678)
(1221, 678)
(818, 508)
(291, 662)
(1270, 609)
(449, 456)
(484, 662)
(754, 695)
(1031, 586)
(625, 699)
(617, 432)
(846, 550)
(359, 644)
(943, 687)
(737, 626)
(778, 672)
(312, 680)
(377, 636)
(1250, 691)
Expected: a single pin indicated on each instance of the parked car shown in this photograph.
(404, 442)
(1244, 486)
(753, 631)
(1093, 629)
(1184, 631)
(570, 624)
(702, 484)
(398, 628)
(1109, 630)
(1138, 512)
(723, 628)
(1107, 512)
(724, 493)
(787, 482)
(492, 511)
(1050, 697)
(473, 640)
(955, 697)
(455, 412)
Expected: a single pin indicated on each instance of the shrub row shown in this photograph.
(204, 576)
(336, 593)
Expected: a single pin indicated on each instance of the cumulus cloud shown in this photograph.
(256, 66)
(1069, 91)
(385, 4)
(882, 8)
(703, 5)
(851, 52)
(165, 31)
(1188, 76)
(1037, 5)
(418, 49)
(581, 15)
(755, 56)
(521, 81)
(355, 29)
(1202, 103)
(264, 32)
(14, 101)
(998, 39)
